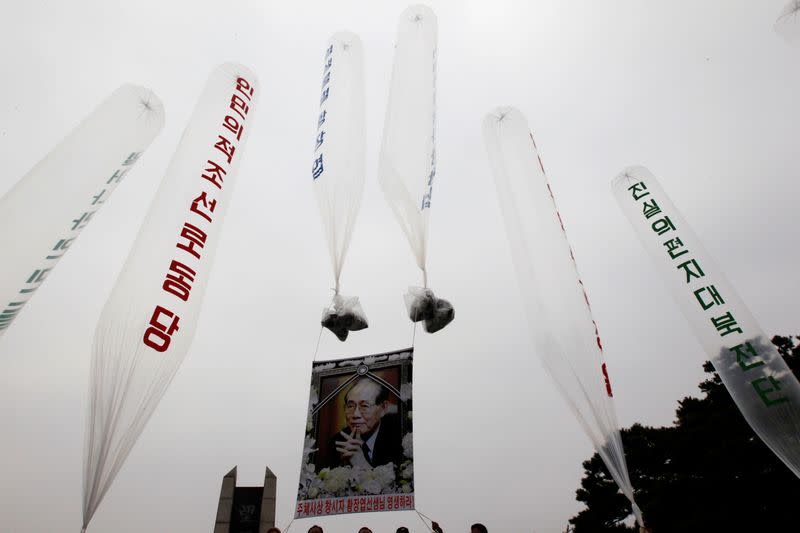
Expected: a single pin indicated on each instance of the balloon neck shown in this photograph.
(637, 512)
(424, 278)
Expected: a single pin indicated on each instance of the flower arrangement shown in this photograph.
(355, 481)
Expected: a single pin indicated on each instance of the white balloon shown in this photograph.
(407, 165)
(338, 169)
(339, 150)
(148, 322)
(564, 332)
(758, 379)
(49, 207)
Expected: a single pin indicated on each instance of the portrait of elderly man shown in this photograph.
(372, 435)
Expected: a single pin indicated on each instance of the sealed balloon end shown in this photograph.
(343, 316)
(424, 306)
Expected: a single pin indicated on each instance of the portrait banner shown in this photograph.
(358, 452)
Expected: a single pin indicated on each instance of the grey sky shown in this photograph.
(702, 93)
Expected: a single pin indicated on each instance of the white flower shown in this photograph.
(313, 398)
(407, 471)
(335, 480)
(385, 473)
(399, 356)
(307, 479)
(324, 366)
(405, 392)
(373, 486)
(372, 359)
(375, 480)
(313, 492)
(406, 488)
(408, 446)
(308, 448)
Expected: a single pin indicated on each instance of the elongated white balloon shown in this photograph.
(564, 333)
(338, 169)
(149, 320)
(48, 208)
(757, 377)
(339, 150)
(407, 164)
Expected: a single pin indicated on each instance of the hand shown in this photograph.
(350, 448)
(436, 528)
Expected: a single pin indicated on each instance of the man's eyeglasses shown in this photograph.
(362, 406)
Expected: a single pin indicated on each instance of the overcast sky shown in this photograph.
(702, 93)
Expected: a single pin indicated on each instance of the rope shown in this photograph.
(424, 515)
(321, 327)
(319, 338)
(316, 352)
(424, 522)
(414, 328)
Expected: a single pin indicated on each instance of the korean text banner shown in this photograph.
(758, 379)
(358, 454)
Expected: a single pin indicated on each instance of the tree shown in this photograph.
(707, 472)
